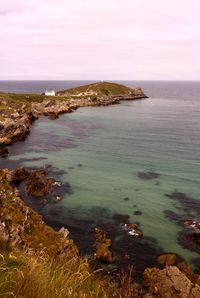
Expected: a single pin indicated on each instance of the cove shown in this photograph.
(102, 152)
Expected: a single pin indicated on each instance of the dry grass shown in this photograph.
(24, 276)
(127, 287)
(40, 278)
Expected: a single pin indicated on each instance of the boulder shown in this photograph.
(169, 282)
(185, 268)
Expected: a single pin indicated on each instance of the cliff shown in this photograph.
(22, 228)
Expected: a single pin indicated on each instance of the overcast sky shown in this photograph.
(100, 39)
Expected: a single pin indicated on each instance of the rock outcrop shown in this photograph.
(22, 228)
(103, 247)
(15, 128)
(37, 185)
(169, 282)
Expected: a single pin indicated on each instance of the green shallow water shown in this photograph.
(102, 149)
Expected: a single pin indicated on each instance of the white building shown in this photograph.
(50, 93)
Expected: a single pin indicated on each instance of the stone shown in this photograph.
(132, 229)
(64, 231)
(167, 259)
(185, 268)
(169, 282)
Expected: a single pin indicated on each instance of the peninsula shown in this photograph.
(18, 111)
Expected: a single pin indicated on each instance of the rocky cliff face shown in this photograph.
(22, 228)
(15, 127)
(169, 282)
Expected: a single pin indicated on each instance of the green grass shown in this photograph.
(10, 102)
(102, 88)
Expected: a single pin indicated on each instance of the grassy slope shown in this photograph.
(31, 277)
(100, 87)
(15, 101)
(23, 276)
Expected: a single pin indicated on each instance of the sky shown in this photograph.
(99, 39)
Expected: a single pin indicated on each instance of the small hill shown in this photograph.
(98, 89)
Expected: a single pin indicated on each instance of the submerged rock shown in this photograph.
(20, 174)
(4, 152)
(167, 259)
(137, 212)
(132, 229)
(148, 175)
(193, 224)
(192, 236)
(192, 239)
(37, 185)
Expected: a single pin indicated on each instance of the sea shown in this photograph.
(135, 162)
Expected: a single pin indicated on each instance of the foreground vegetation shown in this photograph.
(38, 262)
(31, 277)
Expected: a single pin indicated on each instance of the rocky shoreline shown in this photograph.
(15, 121)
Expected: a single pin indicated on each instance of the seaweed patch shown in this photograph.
(150, 175)
(137, 212)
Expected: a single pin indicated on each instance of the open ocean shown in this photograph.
(103, 153)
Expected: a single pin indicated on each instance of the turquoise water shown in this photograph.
(101, 150)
